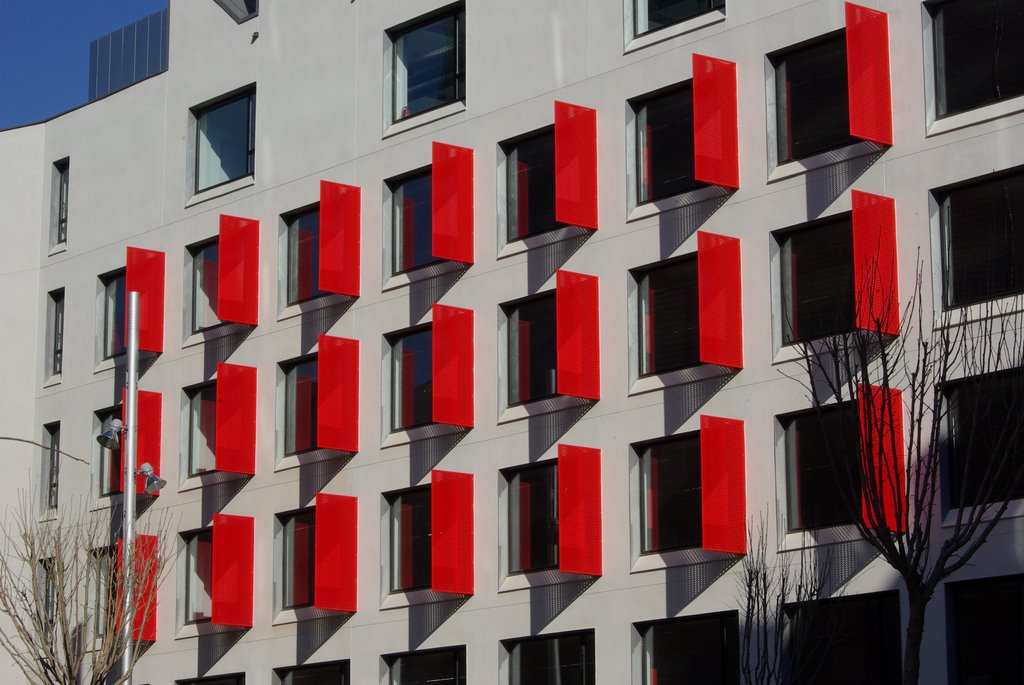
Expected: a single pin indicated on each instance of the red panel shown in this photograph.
(875, 276)
(716, 150)
(723, 485)
(452, 360)
(720, 300)
(338, 394)
(576, 165)
(238, 275)
(146, 574)
(144, 274)
(579, 510)
(451, 532)
(147, 437)
(867, 67)
(339, 238)
(232, 570)
(881, 441)
(337, 547)
(236, 418)
(577, 324)
(451, 203)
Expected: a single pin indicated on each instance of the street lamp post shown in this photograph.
(128, 456)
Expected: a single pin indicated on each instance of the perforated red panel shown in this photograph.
(883, 497)
(720, 296)
(337, 547)
(716, 152)
(236, 418)
(144, 274)
(232, 570)
(238, 271)
(578, 341)
(451, 532)
(867, 66)
(576, 165)
(453, 367)
(579, 510)
(875, 276)
(147, 437)
(723, 485)
(339, 238)
(451, 198)
(338, 394)
(145, 576)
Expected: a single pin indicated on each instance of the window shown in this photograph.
(334, 673)
(429, 64)
(553, 660)
(205, 259)
(411, 222)
(818, 297)
(201, 442)
(670, 492)
(532, 349)
(225, 141)
(983, 253)
(304, 256)
(817, 448)
(410, 540)
(298, 559)
(533, 518)
(987, 630)
(975, 61)
(669, 317)
(436, 667)
(811, 99)
(240, 10)
(664, 145)
(56, 331)
(62, 175)
(113, 314)
(652, 15)
(530, 185)
(47, 593)
(236, 679)
(104, 599)
(412, 379)
(51, 464)
(702, 649)
(198, 575)
(300, 391)
(110, 460)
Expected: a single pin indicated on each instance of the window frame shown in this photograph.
(285, 569)
(396, 217)
(290, 421)
(283, 675)
(955, 630)
(112, 318)
(508, 191)
(193, 429)
(644, 453)
(104, 591)
(587, 663)
(512, 531)
(396, 563)
(229, 679)
(61, 194)
(459, 663)
(51, 466)
(291, 266)
(641, 276)
(190, 575)
(510, 312)
(638, 13)
(106, 461)
(55, 333)
(393, 365)
(247, 93)
(398, 101)
(196, 259)
(728, 623)
(691, 188)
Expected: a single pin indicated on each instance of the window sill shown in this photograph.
(824, 159)
(52, 381)
(220, 191)
(423, 273)
(683, 27)
(311, 305)
(808, 539)
(408, 435)
(537, 407)
(308, 613)
(207, 478)
(524, 581)
(400, 599)
(975, 116)
(57, 249)
(418, 120)
(109, 363)
(556, 235)
(667, 204)
(220, 330)
(1015, 509)
(193, 630)
(315, 456)
(657, 561)
(959, 315)
(692, 374)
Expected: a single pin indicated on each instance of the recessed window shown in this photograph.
(816, 275)
(300, 384)
(664, 145)
(198, 575)
(410, 540)
(205, 261)
(811, 99)
(532, 349)
(978, 60)
(104, 590)
(237, 679)
(429, 64)
(551, 660)
(669, 317)
(202, 428)
(533, 518)
(298, 537)
(110, 469)
(304, 256)
(670, 484)
(436, 667)
(986, 629)
(240, 10)
(48, 584)
(55, 309)
(411, 223)
(113, 322)
(51, 464)
(225, 141)
(701, 649)
(652, 15)
(817, 473)
(412, 379)
(983, 251)
(334, 673)
(62, 178)
(530, 185)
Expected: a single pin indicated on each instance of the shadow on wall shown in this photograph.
(219, 349)
(680, 402)
(545, 430)
(683, 584)
(424, 455)
(214, 646)
(426, 293)
(675, 226)
(548, 601)
(319, 321)
(311, 634)
(542, 262)
(826, 184)
(424, 619)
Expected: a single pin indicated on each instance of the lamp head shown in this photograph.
(154, 483)
(110, 439)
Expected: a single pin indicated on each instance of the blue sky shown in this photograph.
(44, 52)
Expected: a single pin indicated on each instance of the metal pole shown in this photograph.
(128, 496)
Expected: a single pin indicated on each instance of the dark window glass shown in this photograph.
(198, 576)
(664, 145)
(533, 518)
(413, 244)
(811, 100)
(238, 679)
(983, 232)
(205, 275)
(987, 630)
(105, 589)
(300, 389)
(532, 350)
(437, 667)
(410, 540)
(225, 141)
(670, 482)
(299, 559)
(57, 328)
(335, 673)
(304, 256)
(52, 463)
(530, 181)
(704, 650)
(558, 660)
(63, 171)
(202, 428)
(978, 56)
(813, 440)
(817, 281)
(652, 15)
(113, 314)
(430, 65)
(412, 380)
(669, 317)
(110, 460)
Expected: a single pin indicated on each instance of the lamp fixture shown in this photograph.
(110, 439)
(154, 483)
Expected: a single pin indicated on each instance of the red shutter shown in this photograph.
(146, 574)
(337, 548)
(720, 298)
(875, 278)
(716, 151)
(451, 532)
(238, 275)
(337, 394)
(147, 437)
(576, 165)
(232, 570)
(453, 368)
(339, 238)
(579, 510)
(144, 274)
(723, 485)
(881, 442)
(236, 418)
(577, 334)
(867, 68)
(451, 203)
